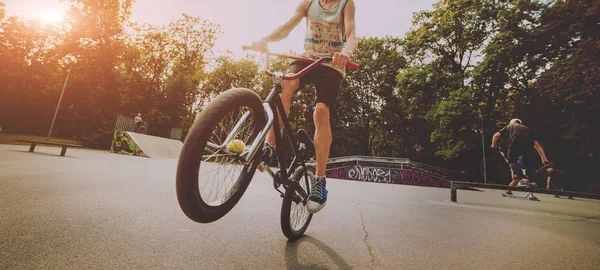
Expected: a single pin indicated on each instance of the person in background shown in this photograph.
(520, 139)
(556, 178)
(138, 122)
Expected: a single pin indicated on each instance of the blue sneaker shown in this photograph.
(318, 195)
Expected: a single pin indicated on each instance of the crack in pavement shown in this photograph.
(592, 218)
(366, 234)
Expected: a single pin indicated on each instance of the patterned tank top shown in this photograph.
(324, 34)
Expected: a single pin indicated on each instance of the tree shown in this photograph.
(97, 43)
(441, 52)
(367, 99)
(165, 67)
(29, 73)
(2, 10)
(565, 96)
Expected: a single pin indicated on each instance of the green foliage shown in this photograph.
(366, 110)
(165, 68)
(117, 67)
(465, 66)
(230, 73)
(442, 48)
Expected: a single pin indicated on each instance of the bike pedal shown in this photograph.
(262, 167)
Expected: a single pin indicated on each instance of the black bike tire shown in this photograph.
(190, 157)
(286, 206)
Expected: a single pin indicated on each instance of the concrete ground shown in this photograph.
(94, 209)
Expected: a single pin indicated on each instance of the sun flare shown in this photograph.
(51, 16)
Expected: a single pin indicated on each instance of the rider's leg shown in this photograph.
(289, 87)
(516, 172)
(513, 183)
(322, 136)
(327, 85)
(529, 167)
(318, 195)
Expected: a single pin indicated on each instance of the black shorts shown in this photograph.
(326, 80)
(520, 147)
(520, 158)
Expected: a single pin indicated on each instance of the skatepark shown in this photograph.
(419, 115)
(96, 209)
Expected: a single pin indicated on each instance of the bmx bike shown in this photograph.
(211, 179)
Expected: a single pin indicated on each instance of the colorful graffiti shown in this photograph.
(123, 144)
(384, 175)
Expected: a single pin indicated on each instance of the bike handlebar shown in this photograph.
(313, 62)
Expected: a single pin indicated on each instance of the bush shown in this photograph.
(101, 139)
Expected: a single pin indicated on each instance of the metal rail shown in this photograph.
(455, 184)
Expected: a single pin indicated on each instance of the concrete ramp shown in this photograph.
(391, 170)
(157, 147)
(137, 144)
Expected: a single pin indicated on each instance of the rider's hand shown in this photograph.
(340, 59)
(545, 162)
(494, 146)
(260, 45)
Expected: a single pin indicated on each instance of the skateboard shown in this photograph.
(527, 195)
(559, 197)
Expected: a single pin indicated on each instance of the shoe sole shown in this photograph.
(316, 211)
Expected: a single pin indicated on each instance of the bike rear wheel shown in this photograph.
(294, 215)
(210, 179)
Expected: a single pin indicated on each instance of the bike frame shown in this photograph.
(274, 109)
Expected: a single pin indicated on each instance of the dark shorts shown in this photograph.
(520, 160)
(326, 81)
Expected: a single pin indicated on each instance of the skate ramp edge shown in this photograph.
(151, 146)
(157, 147)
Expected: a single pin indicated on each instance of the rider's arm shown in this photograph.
(540, 150)
(497, 136)
(350, 29)
(495, 139)
(284, 30)
(340, 59)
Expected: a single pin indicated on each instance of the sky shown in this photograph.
(243, 21)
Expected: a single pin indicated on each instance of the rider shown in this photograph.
(330, 32)
(520, 139)
(138, 122)
(557, 178)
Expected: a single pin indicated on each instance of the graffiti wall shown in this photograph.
(122, 143)
(384, 175)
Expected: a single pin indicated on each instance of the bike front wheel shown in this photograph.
(294, 215)
(211, 179)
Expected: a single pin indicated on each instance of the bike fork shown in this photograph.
(260, 138)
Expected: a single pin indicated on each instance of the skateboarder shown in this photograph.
(520, 141)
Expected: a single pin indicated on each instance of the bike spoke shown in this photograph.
(298, 212)
(220, 170)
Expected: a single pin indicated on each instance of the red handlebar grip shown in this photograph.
(352, 65)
